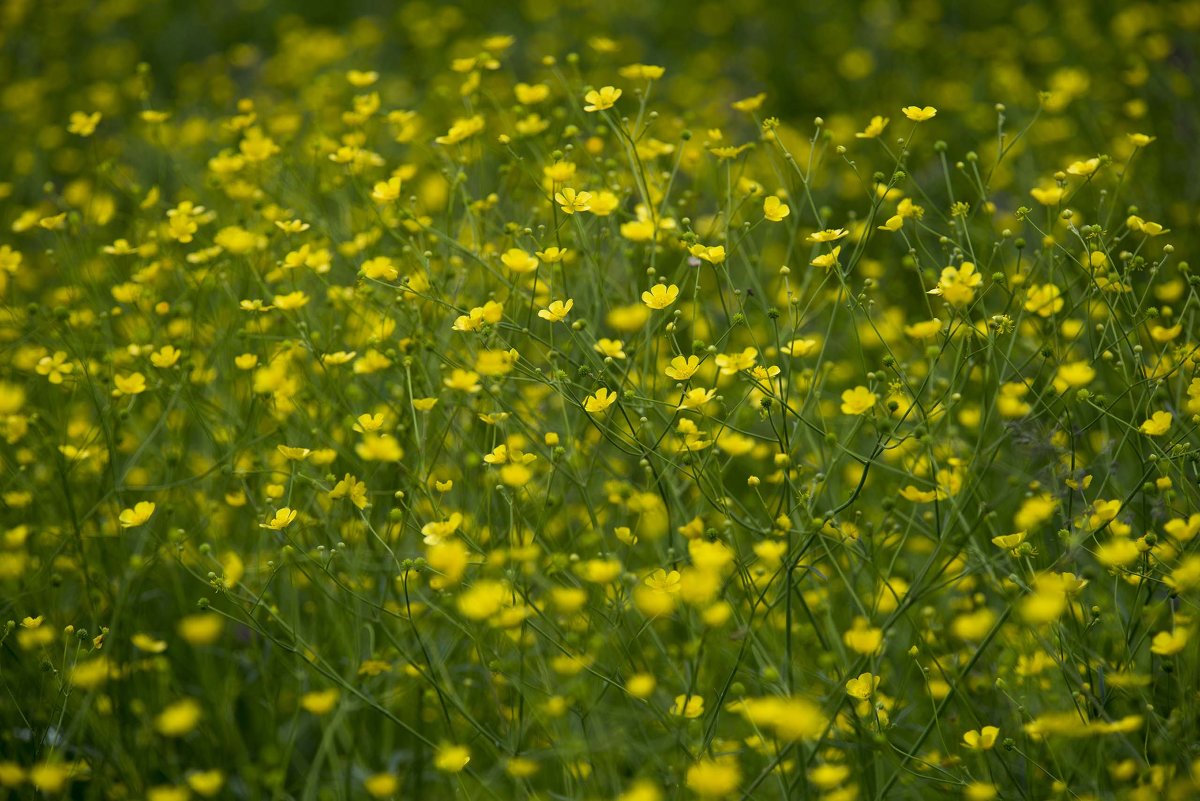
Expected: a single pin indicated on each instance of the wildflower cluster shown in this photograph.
(546, 431)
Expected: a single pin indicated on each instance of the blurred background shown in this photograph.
(1111, 68)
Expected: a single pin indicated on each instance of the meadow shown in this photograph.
(622, 401)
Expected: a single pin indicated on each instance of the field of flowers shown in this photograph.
(624, 401)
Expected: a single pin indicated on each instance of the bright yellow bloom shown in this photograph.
(451, 758)
(519, 261)
(83, 124)
(599, 401)
(178, 719)
(611, 348)
(874, 128)
(557, 311)
(132, 384)
(571, 201)
(659, 296)
(138, 515)
(166, 357)
(712, 255)
(828, 235)
(858, 400)
(682, 368)
(381, 785)
(351, 488)
(827, 260)
(602, 99)
(380, 268)
(688, 706)
(320, 702)
(282, 519)
(775, 209)
(1158, 424)
(463, 380)
(981, 739)
(734, 363)
(1169, 643)
(714, 778)
(919, 114)
(863, 686)
(1043, 299)
(957, 284)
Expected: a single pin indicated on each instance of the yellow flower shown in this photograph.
(919, 114)
(1084, 168)
(1009, 541)
(451, 758)
(1169, 643)
(688, 706)
(682, 368)
(1158, 424)
(957, 284)
(55, 367)
(530, 95)
(462, 380)
(519, 261)
(602, 99)
(874, 128)
(611, 348)
(775, 209)
(200, 629)
(827, 260)
(139, 514)
(893, 223)
(981, 739)
(386, 191)
(1048, 195)
(553, 255)
(50, 777)
(858, 400)
(663, 581)
(571, 201)
(166, 357)
(748, 104)
(132, 384)
(712, 255)
(714, 778)
(206, 783)
(863, 686)
(1118, 552)
(598, 402)
(828, 235)
(83, 124)
(734, 363)
(462, 129)
(557, 311)
(380, 268)
(350, 487)
(292, 453)
(863, 639)
(1043, 299)
(320, 702)
(381, 785)
(660, 297)
(911, 493)
(144, 642)
(379, 448)
(178, 719)
(282, 519)
(1073, 375)
(291, 301)
(646, 72)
